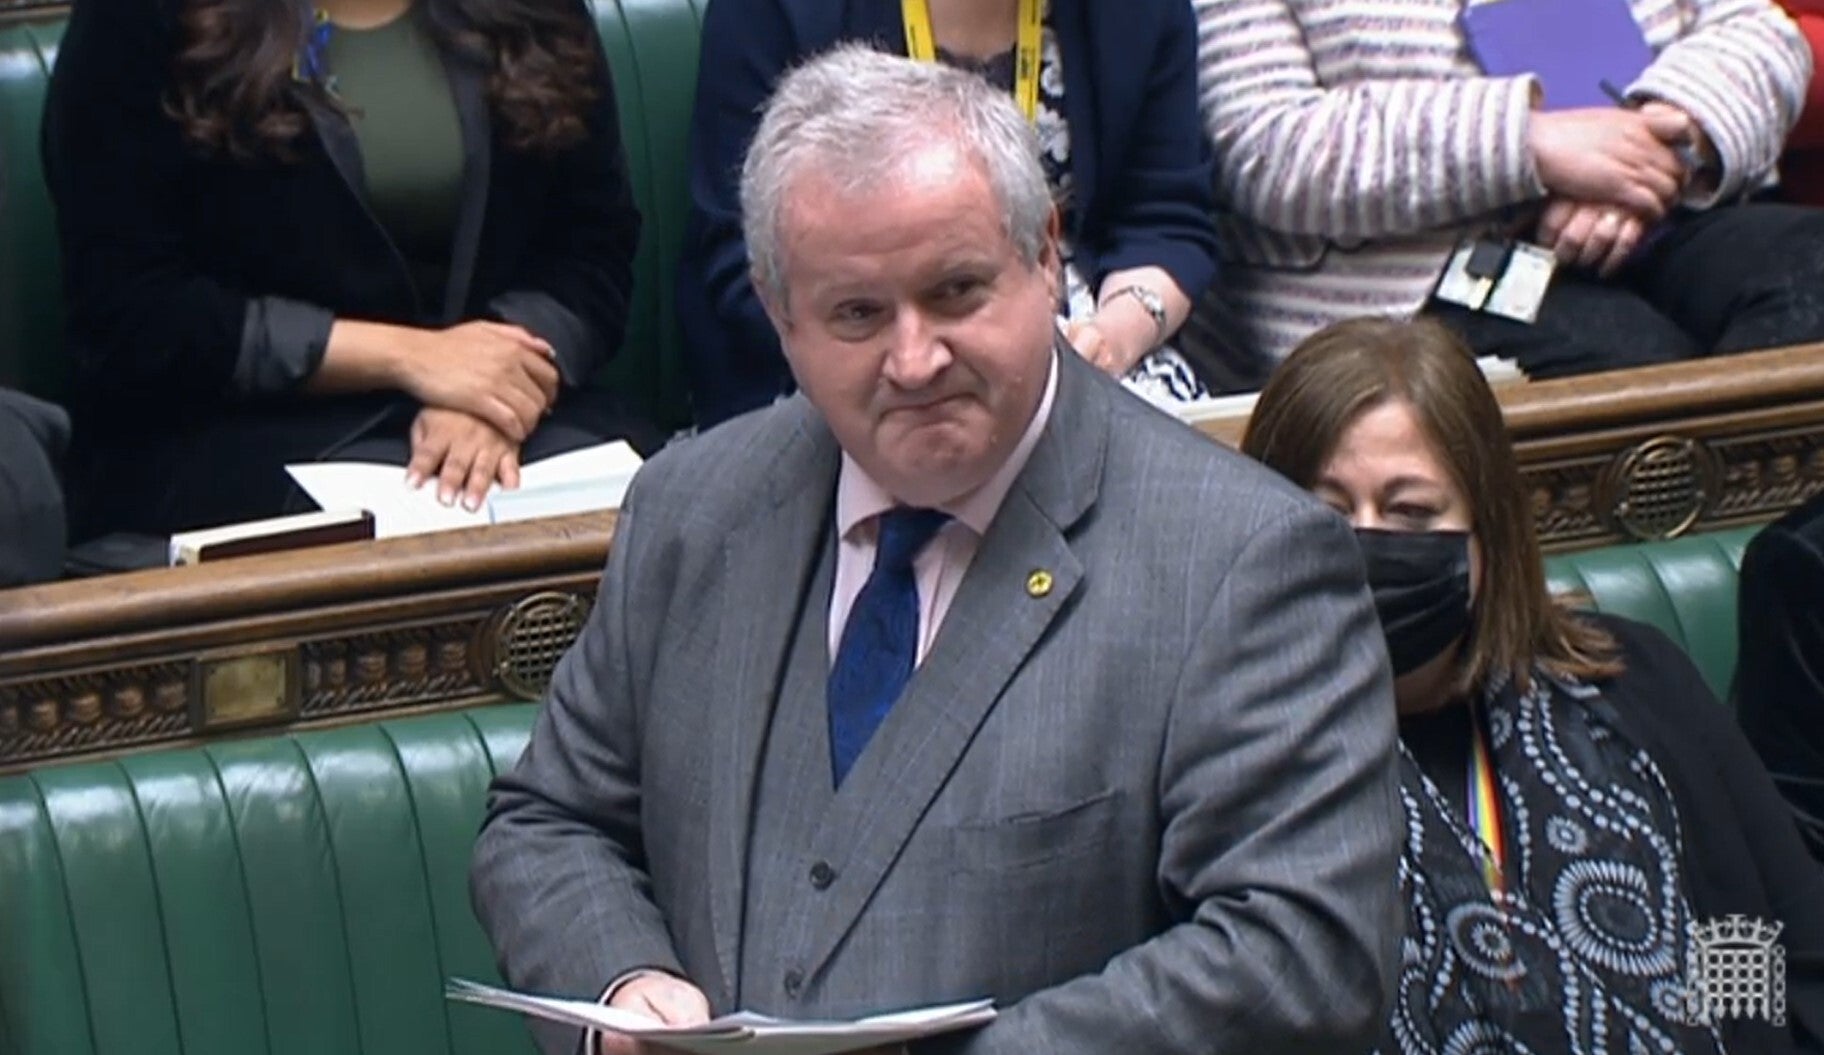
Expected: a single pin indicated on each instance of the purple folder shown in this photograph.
(1571, 45)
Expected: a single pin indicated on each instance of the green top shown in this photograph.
(391, 80)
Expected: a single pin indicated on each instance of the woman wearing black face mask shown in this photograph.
(1577, 802)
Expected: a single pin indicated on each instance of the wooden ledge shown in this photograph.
(355, 572)
(1756, 380)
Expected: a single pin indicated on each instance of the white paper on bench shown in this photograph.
(743, 1032)
(578, 481)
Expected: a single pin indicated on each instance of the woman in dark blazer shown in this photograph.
(395, 230)
(1130, 169)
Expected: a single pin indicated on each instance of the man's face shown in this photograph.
(913, 325)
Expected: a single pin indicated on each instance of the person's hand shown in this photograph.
(1611, 156)
(1596, 237)
(495, 371)
(656, 995)
(463, 454)
(1701, 162)
(1104, 350)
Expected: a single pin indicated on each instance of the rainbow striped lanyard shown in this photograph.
(1485, 808)
(921, 44)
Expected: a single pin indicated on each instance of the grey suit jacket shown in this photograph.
(1152, 811)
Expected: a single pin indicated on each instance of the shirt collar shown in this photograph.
(859, 497)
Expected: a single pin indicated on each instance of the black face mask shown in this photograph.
(1420, 581)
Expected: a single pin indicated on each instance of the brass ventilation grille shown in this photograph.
(1659, 488)
(532, 637)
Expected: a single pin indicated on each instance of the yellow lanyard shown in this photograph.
(921, 44)
(1485, 809)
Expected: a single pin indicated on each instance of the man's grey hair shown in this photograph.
(855, 116)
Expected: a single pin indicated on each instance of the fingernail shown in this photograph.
(414, 481)
(471, 503)
(445, 496)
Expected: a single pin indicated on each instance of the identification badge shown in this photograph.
(1522, 287)
(1502, 278)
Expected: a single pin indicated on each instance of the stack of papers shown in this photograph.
(579, 481)
(744, 1031)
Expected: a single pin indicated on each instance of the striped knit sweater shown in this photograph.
(1356, 140)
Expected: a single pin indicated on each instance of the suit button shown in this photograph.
(794, 983)
(822, 875)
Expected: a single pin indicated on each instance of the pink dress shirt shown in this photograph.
(939, 567)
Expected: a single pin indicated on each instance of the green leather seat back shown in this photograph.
(31, 298)
(292, 895)
(1684, 586)
(652, 49)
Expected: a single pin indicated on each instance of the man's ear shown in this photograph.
(1051, 256)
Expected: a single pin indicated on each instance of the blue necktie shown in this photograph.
(880, 640)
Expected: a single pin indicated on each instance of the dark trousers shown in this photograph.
(1734, 279)
(230, 467)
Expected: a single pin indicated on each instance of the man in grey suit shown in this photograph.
(1108, 738)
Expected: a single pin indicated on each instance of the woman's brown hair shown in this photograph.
(1352, 367)
(234, 94)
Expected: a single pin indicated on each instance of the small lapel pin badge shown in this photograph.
(1038, 584)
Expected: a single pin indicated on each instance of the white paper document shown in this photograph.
(743, 1032)
(579, 481)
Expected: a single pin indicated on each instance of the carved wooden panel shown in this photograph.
(1766, 475)
(392, 668)
(1564, 502)
(74, 711)
(337, 677)
(295, 640)
(1675, 483)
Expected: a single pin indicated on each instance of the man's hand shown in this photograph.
(1612, 156)
(656, 995)
(675, 1002)
(494, 371)
(463, 453)
(1597, 237)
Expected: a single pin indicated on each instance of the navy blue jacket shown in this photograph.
(1139, 161)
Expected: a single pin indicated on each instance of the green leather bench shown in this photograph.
(652, 48)
(307, 894)
(1683, 586)
(301, 895)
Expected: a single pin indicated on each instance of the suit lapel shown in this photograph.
(778, 545)
(1000, 614)
(470, 93)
